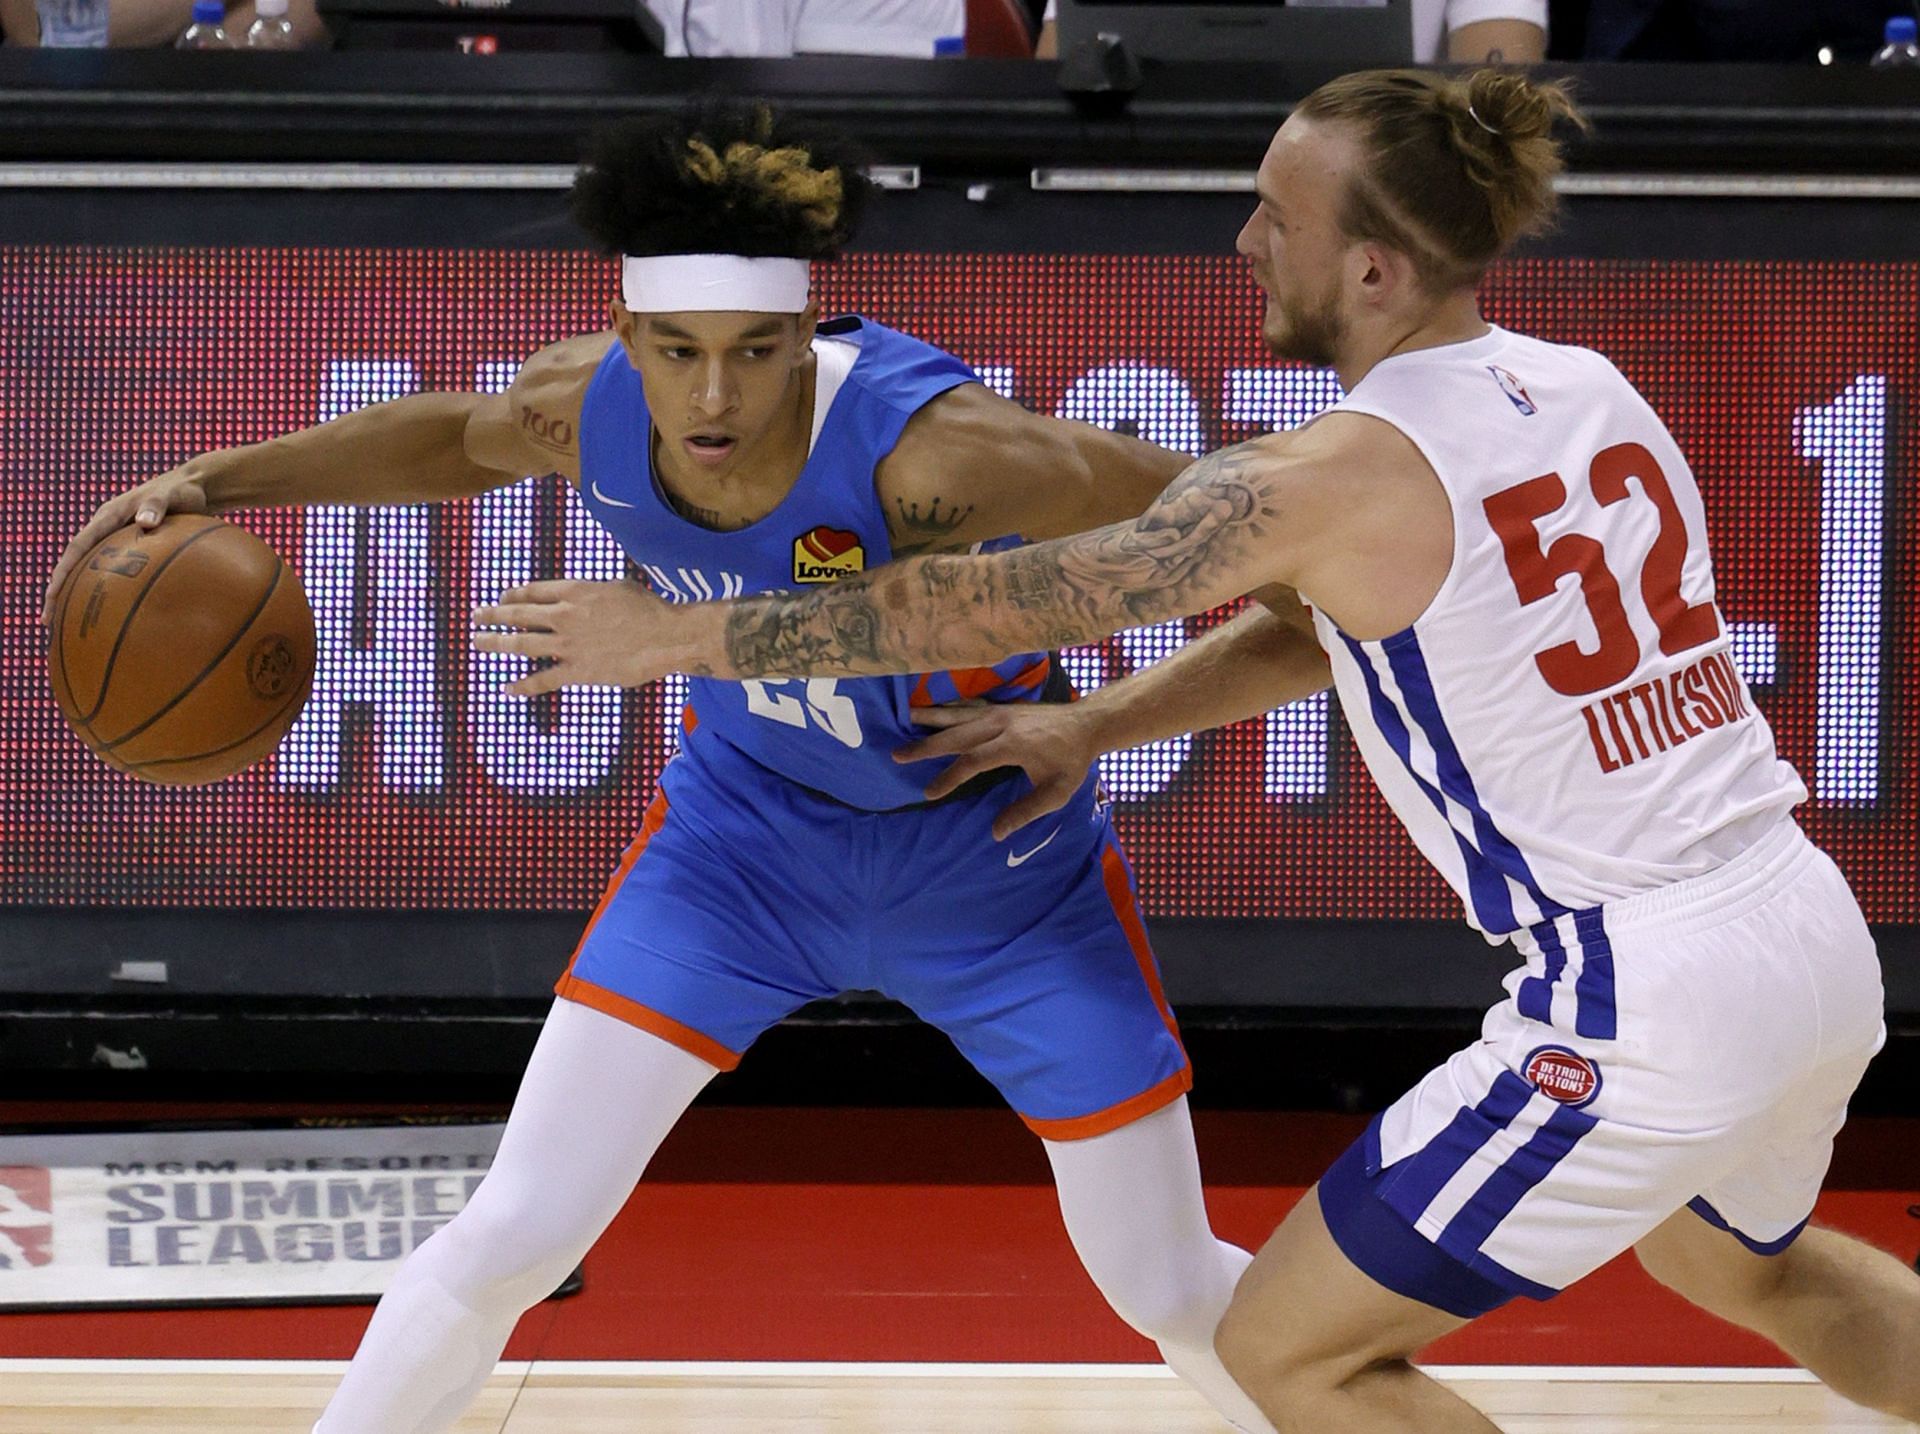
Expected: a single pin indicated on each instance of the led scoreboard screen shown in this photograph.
(410, 782)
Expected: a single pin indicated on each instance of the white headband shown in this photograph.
(709, 283)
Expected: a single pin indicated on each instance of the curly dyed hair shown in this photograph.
(720, 178)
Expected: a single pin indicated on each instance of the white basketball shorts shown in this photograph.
(1692, 1046)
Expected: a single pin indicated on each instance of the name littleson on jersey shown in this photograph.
(1655, 716)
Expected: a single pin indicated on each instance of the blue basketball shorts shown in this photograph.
(746, 895)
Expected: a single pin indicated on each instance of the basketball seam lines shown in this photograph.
(106, 677)
(300, 696)
(218, 658)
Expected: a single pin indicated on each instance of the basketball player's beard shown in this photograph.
(1312, 335)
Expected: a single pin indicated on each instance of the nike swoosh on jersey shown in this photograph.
(1013, 860)
(610, 502)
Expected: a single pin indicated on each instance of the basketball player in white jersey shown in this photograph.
(1507, 562)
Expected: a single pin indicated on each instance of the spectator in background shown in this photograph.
(906, 28)
(81, 24)
(1470, 31)
(1781, 31)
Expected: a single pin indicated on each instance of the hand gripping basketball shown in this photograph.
(175, 491)
(180, 653)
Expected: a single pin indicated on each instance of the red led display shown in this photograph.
(409, 784)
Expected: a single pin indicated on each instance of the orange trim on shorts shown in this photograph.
(1085, 1127)
(612, 1003)
(655, 818)
(1120, 892)
(689, 719)
(1113, 869)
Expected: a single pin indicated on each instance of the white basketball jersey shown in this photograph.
(1563, 726)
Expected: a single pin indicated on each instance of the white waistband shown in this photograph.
(1745, 881)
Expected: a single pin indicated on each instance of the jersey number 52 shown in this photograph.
(1515, 514)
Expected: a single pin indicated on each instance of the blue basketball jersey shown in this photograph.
(835, 735)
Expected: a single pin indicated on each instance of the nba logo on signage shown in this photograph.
(26, 1217)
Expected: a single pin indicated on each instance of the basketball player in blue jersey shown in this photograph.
(1507, 559)
(733, 445)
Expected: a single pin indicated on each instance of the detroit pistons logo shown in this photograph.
(1563, 1075)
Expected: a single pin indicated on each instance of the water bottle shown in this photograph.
(271, 30)
(1900, 50)
(206, 32)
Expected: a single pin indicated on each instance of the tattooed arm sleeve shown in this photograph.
(1208, 538)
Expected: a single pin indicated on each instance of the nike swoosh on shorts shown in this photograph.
(610, 502)
(1013, 860)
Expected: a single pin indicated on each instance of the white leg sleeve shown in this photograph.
(597, 1099)
(1136, 1215)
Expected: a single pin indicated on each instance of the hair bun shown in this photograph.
(1455, 168)
(1512, 107)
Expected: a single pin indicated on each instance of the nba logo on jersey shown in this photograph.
(1563, 1075)
(26, 1216)
(1513, 389)
(825, 555)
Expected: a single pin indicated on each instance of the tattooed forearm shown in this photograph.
(1204, 540)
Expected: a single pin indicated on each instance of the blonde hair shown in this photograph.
(1457, 169)
(720, 177)
(786, 174)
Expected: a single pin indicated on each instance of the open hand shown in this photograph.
(594, 634)
(1052, 742)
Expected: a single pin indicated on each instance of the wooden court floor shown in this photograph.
(262, 1397)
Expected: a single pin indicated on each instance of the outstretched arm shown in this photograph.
(1213, 535)
(1207, 539)
(1345, 509)
(425, 448)
(1263, 658)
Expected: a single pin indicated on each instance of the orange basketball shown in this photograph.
(182, 653)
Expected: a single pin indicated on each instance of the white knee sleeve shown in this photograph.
(598, 1098)
(1138, 1219)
